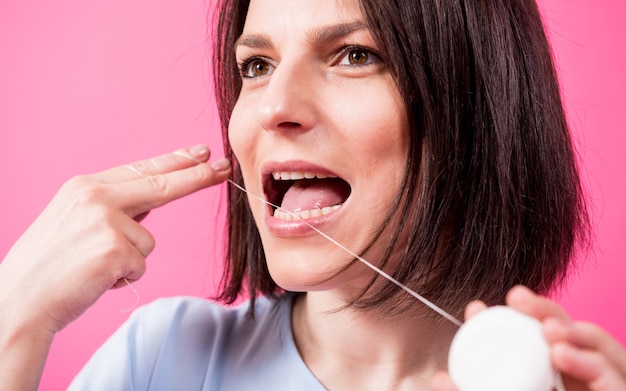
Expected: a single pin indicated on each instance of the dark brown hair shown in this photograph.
(491, 197)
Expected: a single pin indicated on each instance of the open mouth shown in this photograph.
(304, 195)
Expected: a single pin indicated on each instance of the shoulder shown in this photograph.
(192, 343)
(193, 323)
(216, 345)
(192, 313)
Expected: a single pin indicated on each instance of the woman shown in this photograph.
(428, 138)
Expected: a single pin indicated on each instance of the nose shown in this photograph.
(287, 102)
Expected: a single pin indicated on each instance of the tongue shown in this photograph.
(315, 194)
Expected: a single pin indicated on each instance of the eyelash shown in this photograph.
(245, 63)
(373, 57)
(356, 48)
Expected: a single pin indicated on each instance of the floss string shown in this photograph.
(419, 297)
(559, 386)
(129, 309)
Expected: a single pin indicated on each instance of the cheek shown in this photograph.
(379, 126)
(243, 141)
(234, 131)
(239, 138)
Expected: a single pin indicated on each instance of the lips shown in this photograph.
(303, 193)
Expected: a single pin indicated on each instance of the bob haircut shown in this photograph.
(491, 195)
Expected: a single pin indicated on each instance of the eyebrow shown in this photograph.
(255, 41)
(316, 36)
(334, 32)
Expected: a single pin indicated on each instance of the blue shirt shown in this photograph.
(193, 344)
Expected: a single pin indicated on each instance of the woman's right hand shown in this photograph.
(88, 240)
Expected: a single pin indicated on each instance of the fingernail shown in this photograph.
(221, 165)
(199, 151)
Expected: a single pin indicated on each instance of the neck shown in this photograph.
(354, 349)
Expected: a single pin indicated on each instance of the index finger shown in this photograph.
(529, 303)
(590, 337)
(177, 160)
(139, 196)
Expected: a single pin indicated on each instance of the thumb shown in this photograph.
(441, 382)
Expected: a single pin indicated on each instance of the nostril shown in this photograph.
(289, 125)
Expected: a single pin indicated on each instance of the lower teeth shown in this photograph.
(305, 214)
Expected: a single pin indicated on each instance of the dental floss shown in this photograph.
(129, 309)
(473, 348)
(136, 171)
(133, 169)
(419, 297)
(476, 347)
(141, 174)
(156, 166)
(497, 350)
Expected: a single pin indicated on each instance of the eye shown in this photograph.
(357, 56)
(254, 67)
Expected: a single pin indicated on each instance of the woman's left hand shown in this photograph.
(587, 356)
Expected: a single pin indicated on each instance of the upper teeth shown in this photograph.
(297, 175)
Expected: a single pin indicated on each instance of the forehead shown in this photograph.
(288, 17)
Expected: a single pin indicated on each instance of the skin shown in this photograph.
(355, 119)
(301, 90)
(308, 93)
(86, 241)
(298, 92)
(587, 356)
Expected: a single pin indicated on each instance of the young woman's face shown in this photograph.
(319, 129)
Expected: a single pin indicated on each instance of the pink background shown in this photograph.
(88, 85)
